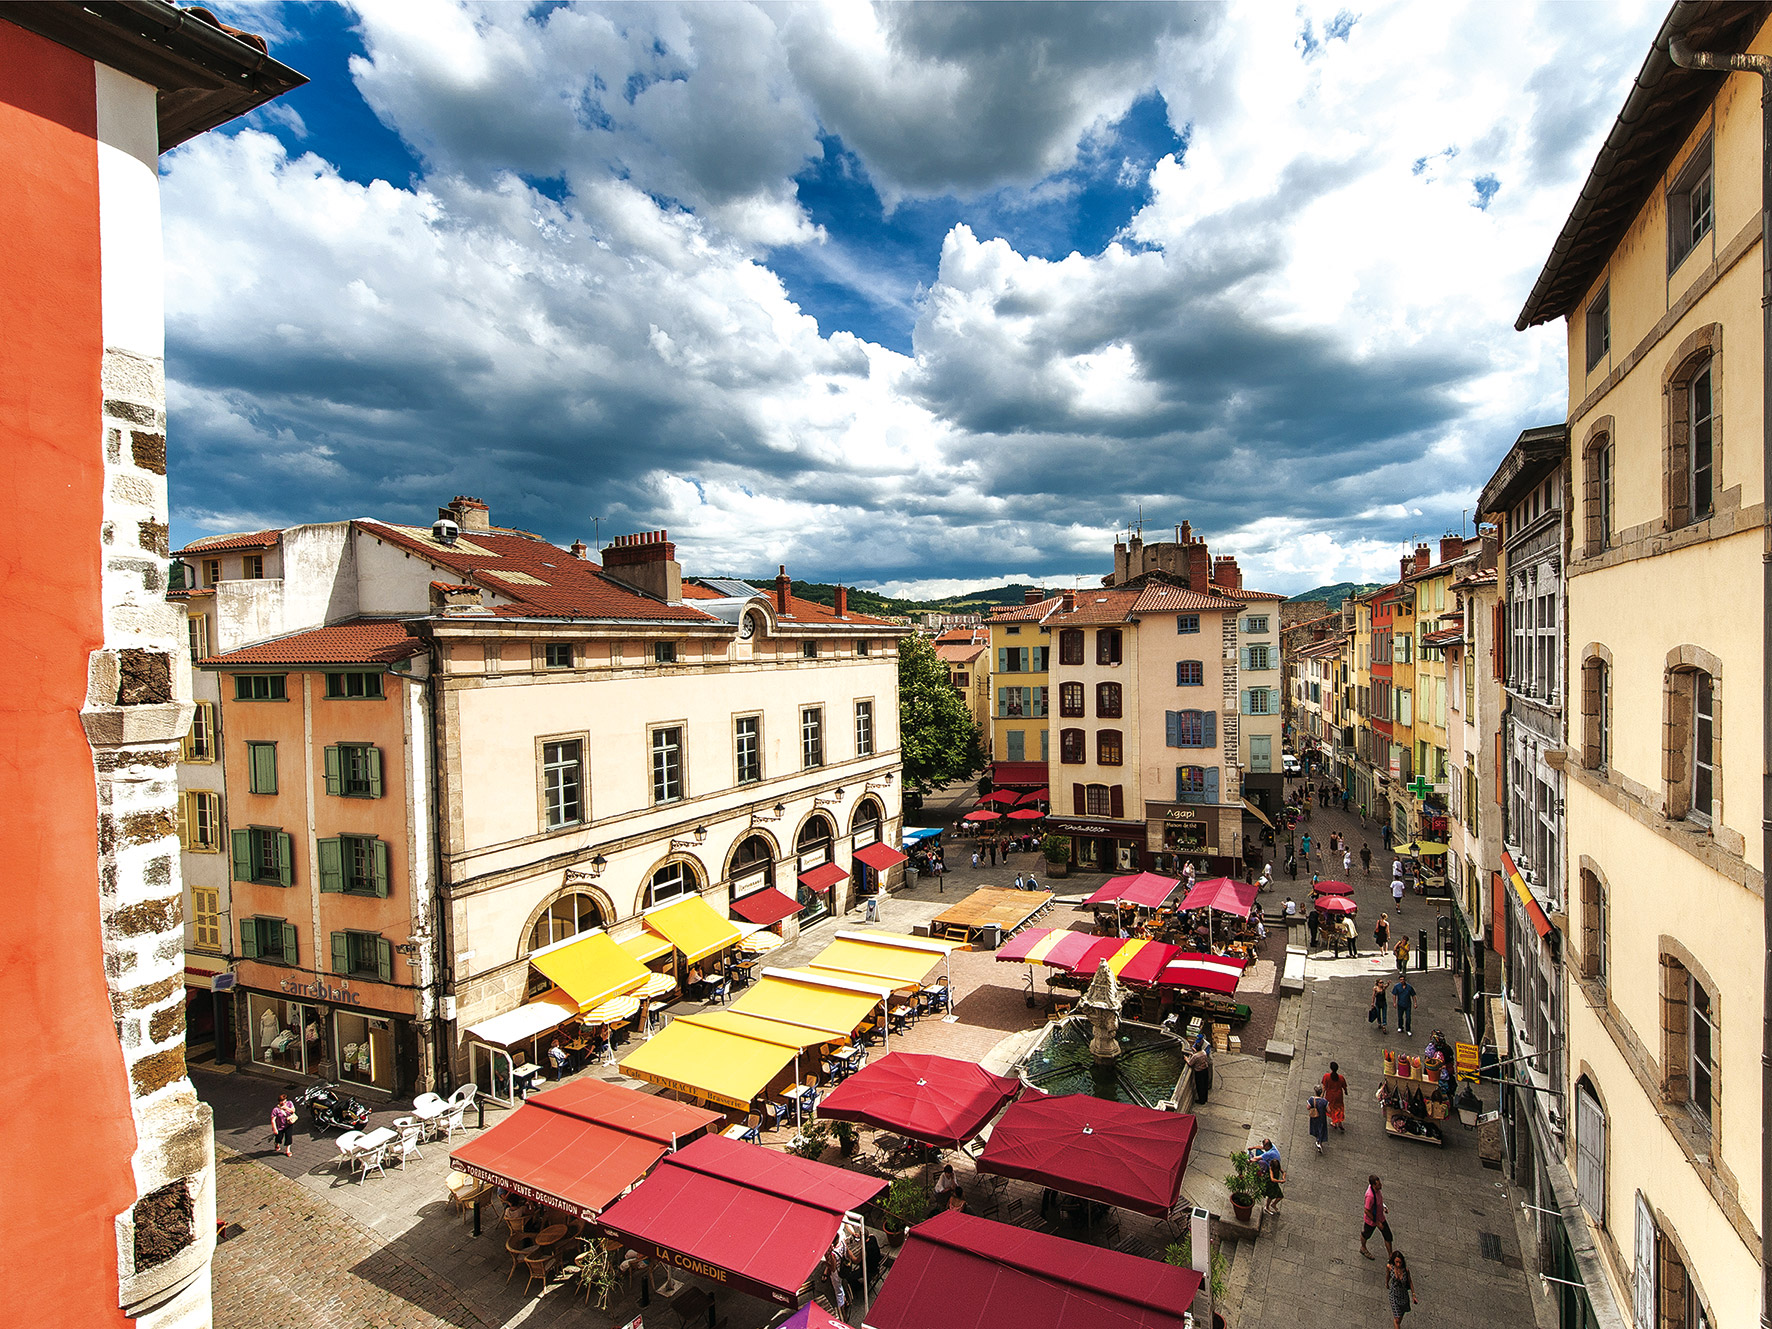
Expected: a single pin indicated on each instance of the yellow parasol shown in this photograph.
(759, 943)
(656, 986)
(612, 1011)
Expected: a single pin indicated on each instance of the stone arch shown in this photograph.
(751, 833)
(1704, 345)
(856, 820)
(1677, 964)
(596, 894)
(1689, 1284)
(696, 869)
(806, 823)
(1593, 896)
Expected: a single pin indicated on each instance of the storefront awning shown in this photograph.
(753, 1220)
(823, 877)
(692, 926)
(1144, 889)
(708, 1062)
(580, 1146)
(918, 834)
(1540, 924)
(1208, 973)
(1017, 948)
(1251, 810)
(878, 856)
(1222, 894)
(780, 1032)
(1118, 1153)
(1018, 774)
(765, 907)
(885, 956)
(1060, 948)
(956, 1271)
(547, 1013)
(938, 1100)
(645, 946)
(590, 967)
(829, 1006)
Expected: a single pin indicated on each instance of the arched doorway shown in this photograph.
(813, 847)
(753, 867)
(674, 880)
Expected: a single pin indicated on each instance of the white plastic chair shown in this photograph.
(371, 1158)
(407, 1144)
(465, 1095)
(348, 1148)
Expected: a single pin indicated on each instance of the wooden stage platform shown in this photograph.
(990, 906)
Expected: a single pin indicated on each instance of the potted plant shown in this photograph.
(1057, 850)
(595, 1268)
(907, 1201)
(1181, 1255)
(846, 1135)
(814, 1138)
(1244, 1183)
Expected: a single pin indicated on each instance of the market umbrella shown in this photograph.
(1001, 796)
(759, 943)
(656, 986)
(1430, 847)
(982, 814)
(612, 1011)
(1038, 796)
(1026, 814)
(1336, 904)
(1332, 888)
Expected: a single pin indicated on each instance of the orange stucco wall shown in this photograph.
(65, 1075)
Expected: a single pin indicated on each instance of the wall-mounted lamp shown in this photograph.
(590, 872)
(836, 798)
(698, 837)
(776, 815)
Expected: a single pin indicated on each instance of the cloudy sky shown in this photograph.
(913, 296)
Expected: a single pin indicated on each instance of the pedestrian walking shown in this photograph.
(1366, 857)
(1199, 1061)
(1334, 1087)
(1377, 1218)
(1018, 885)
(1307, 846)
(1401, 1288)
(1387, 835)
(1347, 862)
(1381, 932)
(1292, 866)
(1032, 884)
(1402, 949)
(991, 850)
(1346, 797)
(283, 1123)
(1273, 1178)
(1317, 1109)
(1397, 889)
(1380, 1012)
(1313, 923)
(1404, 994)
(975, 860)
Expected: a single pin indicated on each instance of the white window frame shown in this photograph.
(812, 744)
(1700, 1103)
(738, 747)
(553, 782)
(864, 727)
(667, 743)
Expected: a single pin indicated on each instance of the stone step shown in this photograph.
(1278, 1051)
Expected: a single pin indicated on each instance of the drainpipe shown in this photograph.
(1686, 58)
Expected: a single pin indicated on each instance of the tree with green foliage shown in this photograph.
(936, 732)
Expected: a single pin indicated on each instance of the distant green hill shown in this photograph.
(871, 602)
(1335, 594)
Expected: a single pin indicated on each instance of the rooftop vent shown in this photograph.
(445, 532)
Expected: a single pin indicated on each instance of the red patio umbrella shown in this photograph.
(1001, 796)
(981, 814)
(1336, 904)
(1332, 888)
(1026, 814)
(1038, 796)
(1145, 889)
(938, 1100)
(1118, 1153)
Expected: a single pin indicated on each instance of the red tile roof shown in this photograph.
(1024, 613)
(800, 611)
(1162, 598)
(361, 641)
(959, 652)
(216, 544)
(1239, 593)
(1444, 637)
(1103, 606)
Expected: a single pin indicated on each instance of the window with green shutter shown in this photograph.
(353, 770)
(363, 955)
(263, 854)
(354, 865)
(261, 768)
(353, 686)
(268, 939)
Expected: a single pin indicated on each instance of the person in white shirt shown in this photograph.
(1291, 907)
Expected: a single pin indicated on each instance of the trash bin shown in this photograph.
(990, 937)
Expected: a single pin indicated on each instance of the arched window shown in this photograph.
(753, 867)
(1071, 751)
(1107, 701)
(1593, 926)
(671, 882)
(566, 917)
(1596, 713)
(1070, 700)
(1691, 740)
(1107, 747)
(1701, 455)
(864, 826)
(1597, 485)
(813, 848)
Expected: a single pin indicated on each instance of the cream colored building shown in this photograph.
(1657, 275)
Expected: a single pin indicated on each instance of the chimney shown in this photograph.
(579, 549)
(1070, 602)
(1408, 564)
(1451, 547)
(1198, 565)
(784, 587)
(647, 563)
(452, 600)
(469, 513)
(842, 602)
(1226, 574)
(1491, 539)
(1424, 557)
(1187, 534)
(1032, 596)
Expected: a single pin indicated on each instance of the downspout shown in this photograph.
(1686, 58)
(443, 976)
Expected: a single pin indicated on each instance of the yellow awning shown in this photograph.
(1257, 813)
(715, 1064)
(693, 928)
(644, 947)
(815, 1005)
(897, 965)
(591, 968)
(796, 1036)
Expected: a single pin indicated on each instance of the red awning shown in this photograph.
(1223, 894)
(1018, 946)
(823, 877)
(740, 1216)
(878, 856)
(961, 1272)
(1041, 795)
(1020, 774)
(1145, 889)
(1026, 814)
(1534, 913)
(766, 906)
(1099, 949)
(1119, 1153)
(1205, 972)
(1067, 950)
(938, 1100)
(579, 1146)
(1000, 796)
(1144, 967)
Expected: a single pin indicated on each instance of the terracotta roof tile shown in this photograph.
(355, 641)
(959, 652)
(1240, 593)
(217, 544)
(1162, 598)
(1103, 606)
(1025, 613)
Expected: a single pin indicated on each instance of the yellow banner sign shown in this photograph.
(1465, 1061)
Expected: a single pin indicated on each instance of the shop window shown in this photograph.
(557, 655)
(263, 854)
(1189, 674)
(353, 770)
(1187, 623)
(562, 766)
(566, 917)
(811, 737)
(200, 741)
(1070, 700)
(753, 866)
(365, 1049)
(864, 728)
(353, 686)
(671, 882)
(284, 1034)
(260, 687)
(1071, 751)
(270, 939)
(1107, 646)
(354, 865)
(1107, 747)
(1107, 701)
(363, 955)
(667, 764)
(1070, 646)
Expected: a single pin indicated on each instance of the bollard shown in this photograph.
(1421, 950)
(480, 1103)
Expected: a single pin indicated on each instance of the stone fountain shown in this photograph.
(1093, 1051)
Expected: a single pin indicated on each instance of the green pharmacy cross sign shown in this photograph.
(1420, 787)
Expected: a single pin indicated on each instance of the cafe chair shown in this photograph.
(348, 1149)
(368, 1159)
(407, 1144)
(753, 1127)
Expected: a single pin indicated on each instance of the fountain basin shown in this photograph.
(1147, 1070)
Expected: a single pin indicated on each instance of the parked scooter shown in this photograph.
(332, 1110)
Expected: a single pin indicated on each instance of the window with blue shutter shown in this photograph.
(1189, 673)
(1172, 728)
(1209, 729)
(1002, 659)
(1211, 784)
(1244, 707)
(1185, 623)
(1243, 657)
(1190, 784)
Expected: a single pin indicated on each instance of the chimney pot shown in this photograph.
(1451, 547)
(469, 513)
(784, 587)
(579, 549)
(647, 563)
(842, 602)
(1408, 564)
(1032, 596)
